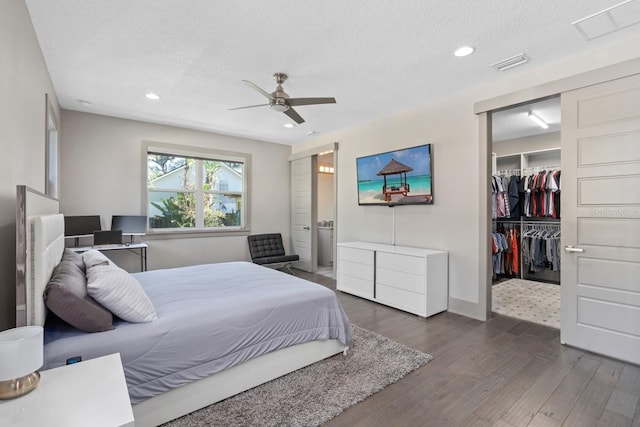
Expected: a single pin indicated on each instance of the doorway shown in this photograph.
(314, 207)
(325, 214)
(526, 211)
(598, 224)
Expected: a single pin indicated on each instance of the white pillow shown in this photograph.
(93, 257)
(119, 292)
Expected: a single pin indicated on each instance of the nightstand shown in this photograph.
(89, 393)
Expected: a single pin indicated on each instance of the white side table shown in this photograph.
(90, 393)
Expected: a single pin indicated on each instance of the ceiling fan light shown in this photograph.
(279, 107)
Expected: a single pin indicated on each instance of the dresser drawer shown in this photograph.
(410, 264)
(360, 256)
(399, 279)
(404, 300)
(355, 269)
(355, 285)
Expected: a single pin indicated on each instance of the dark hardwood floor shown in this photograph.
(504, 372)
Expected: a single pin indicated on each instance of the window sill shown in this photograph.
(193, 234)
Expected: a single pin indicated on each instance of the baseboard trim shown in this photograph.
(467, 309)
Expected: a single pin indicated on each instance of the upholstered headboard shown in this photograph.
(39, 248)
(47, 246)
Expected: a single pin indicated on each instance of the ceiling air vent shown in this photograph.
(514, 61)
(609, 20)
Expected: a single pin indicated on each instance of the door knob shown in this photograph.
(306, 228)
(570, 249)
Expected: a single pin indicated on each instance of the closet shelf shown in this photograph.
(527, 159)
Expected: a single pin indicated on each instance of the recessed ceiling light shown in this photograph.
(288, 125)
(311, 133)
(464, 51)
(153, 96)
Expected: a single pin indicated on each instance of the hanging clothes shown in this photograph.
(504, 196)
(541, 194)
(514, 196)
(505, 251)
(540, 248)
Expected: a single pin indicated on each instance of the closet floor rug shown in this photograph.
(527, 300)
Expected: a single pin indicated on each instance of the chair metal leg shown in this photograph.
(286, 269)
(289, 270)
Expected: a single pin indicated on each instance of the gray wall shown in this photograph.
(325, 197)
(529, 143)
(24, 81)
(102, 174)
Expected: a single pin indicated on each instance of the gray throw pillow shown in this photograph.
(75, 258)
(66, 296)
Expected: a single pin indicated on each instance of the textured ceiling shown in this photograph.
(376, 57)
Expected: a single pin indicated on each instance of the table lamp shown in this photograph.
(21, 355)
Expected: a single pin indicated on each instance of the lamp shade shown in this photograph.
(21, 351)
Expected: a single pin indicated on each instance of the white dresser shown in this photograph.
(410, 279)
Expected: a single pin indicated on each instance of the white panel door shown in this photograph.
(601, 218)
(303, 212)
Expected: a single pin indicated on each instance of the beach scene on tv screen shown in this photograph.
(396, 177)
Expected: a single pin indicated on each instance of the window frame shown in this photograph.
(51, 150)
(197, 153)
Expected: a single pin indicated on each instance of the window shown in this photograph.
(192, 190)
(51, 151)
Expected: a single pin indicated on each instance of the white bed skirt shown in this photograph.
(191, 397)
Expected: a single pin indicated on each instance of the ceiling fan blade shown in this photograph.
(294, 115)
(258, 88)
(310, 101)
(249, 106)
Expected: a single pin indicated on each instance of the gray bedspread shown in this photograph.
(210, 317)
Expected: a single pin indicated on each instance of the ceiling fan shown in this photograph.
(280, 101)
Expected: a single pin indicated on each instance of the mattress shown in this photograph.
(210, 317)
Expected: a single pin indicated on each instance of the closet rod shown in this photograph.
(541, 168)
(508, 172)
(542, 222)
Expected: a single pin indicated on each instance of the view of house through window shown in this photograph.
(194, 193)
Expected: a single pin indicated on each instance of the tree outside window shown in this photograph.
(194, 193)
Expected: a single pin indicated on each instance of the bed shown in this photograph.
(169, 373)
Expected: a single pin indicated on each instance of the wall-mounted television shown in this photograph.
(400, 177)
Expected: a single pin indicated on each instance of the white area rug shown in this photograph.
(527, 300)
(313, 395)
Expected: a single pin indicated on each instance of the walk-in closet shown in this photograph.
(526, 211)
